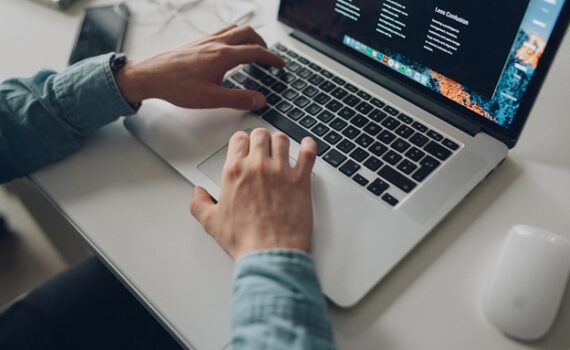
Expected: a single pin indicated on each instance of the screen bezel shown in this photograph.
(431, 101)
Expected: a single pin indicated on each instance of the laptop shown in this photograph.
(412, 105)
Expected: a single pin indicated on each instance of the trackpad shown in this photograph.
(213, 167)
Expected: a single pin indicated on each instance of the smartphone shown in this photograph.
(103, 30)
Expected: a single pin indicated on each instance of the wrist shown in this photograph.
(131, 83)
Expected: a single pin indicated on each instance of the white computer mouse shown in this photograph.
(528, 283)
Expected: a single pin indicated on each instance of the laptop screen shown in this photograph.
(479, 55)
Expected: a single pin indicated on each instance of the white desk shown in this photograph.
(132, 209)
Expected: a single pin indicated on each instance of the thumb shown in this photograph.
(202, 205)
(240, 99)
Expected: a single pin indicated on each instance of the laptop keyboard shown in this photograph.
(381, 149)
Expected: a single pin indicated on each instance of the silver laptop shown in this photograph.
(412, 104)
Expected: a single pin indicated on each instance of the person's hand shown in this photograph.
(265, 203)
(191, 75)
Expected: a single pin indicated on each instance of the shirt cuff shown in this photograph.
(89, 95)
(279, 283)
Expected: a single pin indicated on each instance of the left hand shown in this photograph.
(191, 75)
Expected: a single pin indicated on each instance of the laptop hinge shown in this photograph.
(419, 99)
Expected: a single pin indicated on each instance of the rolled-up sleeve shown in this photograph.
(278, 303)
(48, 116)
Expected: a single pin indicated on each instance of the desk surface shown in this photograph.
(132, 208)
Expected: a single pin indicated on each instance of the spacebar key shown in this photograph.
(293, 130)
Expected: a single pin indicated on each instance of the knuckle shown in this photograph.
(233, 170)
(281, 137)
(240, 136)
(258, 167)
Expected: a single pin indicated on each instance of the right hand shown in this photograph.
(265, 203)
(191, 75)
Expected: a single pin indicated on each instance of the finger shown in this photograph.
(238, 147)
(225, 29)
(245, 54)
(307, 156)
(202, 206)
(260, 144)
(280, 148)
(242, 35)
(219, 97)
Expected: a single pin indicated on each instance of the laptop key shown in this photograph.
(450, 144)
(302, 101)
(268, 80)
(338, 124)
(339, 81)
(251, 84)
(314, 109)
(388, 198)
(377, 115)
(273, 99)
(320, 129)
(327, 86)
(386, 137)
(304, 73)
(339, 93)
(351, 88)
(325, 116)
(376, 102)
(351, 132)
(364, 107)
(346, 146)
(316, 79)
(400, 145)
(359, 154)
(293, 130)
(254, 71)
(308, 122)
(290, 94)
(391, 110)
(293, 66)
(415, 154)
(349, 168)
(434, 135)
(419, 139)
(392, 158)
(334, 158)
(361, 180)
(404, 118)
(437, 150)
(377, 187)
(364, 140)
(419, 127)
(228, 84)
(315, 67)
(372, 128)
(333, 138)
(346, 113)
(407, 167)
(278, 87)
(284, 106)
(397, 179)
(359, 120)
(390, 123)
(299, 84)
(427, 166)
(404, 131)
(310, 91)
(326, 74)
(378, 149)
(239, 77)
(295, 114)
(322, 98)
(351, 100)
(363, 95)
(373, 163)
(334, 105)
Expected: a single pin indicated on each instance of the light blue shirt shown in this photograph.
(277, 300)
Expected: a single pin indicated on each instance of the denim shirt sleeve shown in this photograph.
(48, 116)
(278, 303)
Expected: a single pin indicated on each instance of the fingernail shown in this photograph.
(258, 101)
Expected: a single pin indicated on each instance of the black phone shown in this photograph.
(103, 30)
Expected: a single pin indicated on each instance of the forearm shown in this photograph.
(48, 116)
(278, 303)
